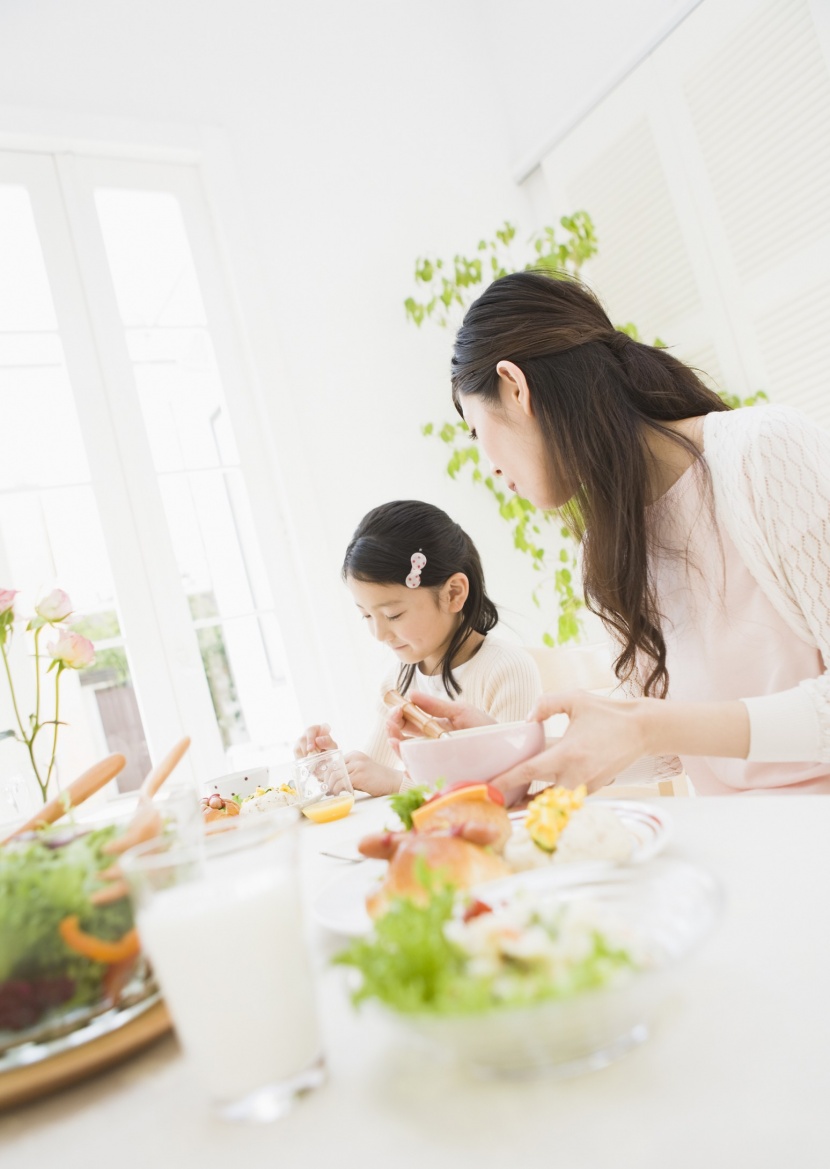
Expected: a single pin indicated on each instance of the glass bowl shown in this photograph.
(64, 961)
(664, 910)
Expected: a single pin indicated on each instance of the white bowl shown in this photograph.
(238, 783)
(478, 754)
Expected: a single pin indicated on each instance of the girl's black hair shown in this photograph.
(381, 550)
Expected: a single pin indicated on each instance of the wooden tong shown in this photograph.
(429, 727)
(79, 790)
(146, 823)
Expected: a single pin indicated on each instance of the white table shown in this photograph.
(737, 1075)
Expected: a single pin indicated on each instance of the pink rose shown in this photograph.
(7, 599)
(56, 607)
(72, 650)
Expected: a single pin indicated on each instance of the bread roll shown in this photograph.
(457, 861)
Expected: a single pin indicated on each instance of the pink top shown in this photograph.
(724, 639)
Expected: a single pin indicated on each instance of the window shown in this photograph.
(126, 416)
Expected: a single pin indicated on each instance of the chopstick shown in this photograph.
(426, 724)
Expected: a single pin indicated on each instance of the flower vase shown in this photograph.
(20, 795)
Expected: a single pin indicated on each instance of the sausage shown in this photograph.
(477, 832)
(381, 846)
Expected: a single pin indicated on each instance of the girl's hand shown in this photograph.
(368, 776)
(313, 739)
(604, 737)
(455, 716)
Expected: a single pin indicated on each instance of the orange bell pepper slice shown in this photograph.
(96, 949)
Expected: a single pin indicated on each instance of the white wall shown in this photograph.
(340, 141)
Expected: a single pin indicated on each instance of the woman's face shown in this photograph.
(512, 441)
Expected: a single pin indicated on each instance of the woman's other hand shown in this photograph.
(604, 736)
(453, 716)
(313, 739)
(368, 776)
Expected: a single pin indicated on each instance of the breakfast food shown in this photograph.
(458, 834)
(440, 955)
(465, 836)
(58, 952)
(265, 799)
(216, 808)
(466, 804)
(334, 808)
(456, 860)
(560, 828)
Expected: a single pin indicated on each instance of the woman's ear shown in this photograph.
(455, 591)
(514, 389)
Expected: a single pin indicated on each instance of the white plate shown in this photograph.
(340, 906)
(649, 825)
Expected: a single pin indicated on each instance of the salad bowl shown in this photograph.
(560, 973)
(64, 961)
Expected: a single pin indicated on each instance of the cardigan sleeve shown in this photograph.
(787, 467)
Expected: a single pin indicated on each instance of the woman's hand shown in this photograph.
(607, 735)
(603, 738)
(454, 716)
(313, 739)
(368, 776)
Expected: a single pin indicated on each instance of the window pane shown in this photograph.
(49, 521)
(197, 464)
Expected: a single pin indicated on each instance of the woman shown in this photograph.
(705, 536)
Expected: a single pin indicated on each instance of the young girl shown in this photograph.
(706, 542)
(417, 581)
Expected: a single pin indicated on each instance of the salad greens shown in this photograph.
(430, 959)
(44, 879)
(406, 802)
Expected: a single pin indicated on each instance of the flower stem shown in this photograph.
(43, 786)
(37, 679)
(58, 672)
(14, 698)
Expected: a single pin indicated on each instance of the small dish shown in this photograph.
(478, 754)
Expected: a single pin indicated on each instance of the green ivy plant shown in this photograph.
(446, 289)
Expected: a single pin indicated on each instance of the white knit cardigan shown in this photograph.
(770, 469)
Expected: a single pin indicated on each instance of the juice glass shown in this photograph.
(222, 925)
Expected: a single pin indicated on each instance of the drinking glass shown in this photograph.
(322, 774)
(221, 922)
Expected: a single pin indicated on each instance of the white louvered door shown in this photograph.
(708, 176)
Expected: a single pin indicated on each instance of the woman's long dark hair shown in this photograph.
(381, 551)
(595, 393)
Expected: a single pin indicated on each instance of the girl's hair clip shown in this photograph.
(417, 561)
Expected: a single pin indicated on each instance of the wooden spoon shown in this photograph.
(79, 790)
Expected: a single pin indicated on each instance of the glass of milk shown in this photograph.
(221, 922)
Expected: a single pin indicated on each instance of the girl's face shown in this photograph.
(416, 624)
(512, 440)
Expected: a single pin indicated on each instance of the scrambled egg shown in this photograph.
(549, 813)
